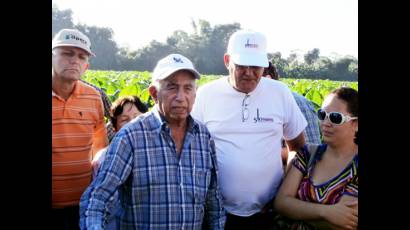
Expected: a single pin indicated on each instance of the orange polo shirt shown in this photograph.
(78, 132)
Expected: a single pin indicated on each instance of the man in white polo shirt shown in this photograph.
(248, 115)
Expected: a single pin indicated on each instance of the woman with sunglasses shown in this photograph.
(320, 189)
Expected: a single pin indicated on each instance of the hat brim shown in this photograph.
(169, 72)
(250, 59)
(73, 45)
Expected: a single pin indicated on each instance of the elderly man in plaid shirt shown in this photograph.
(163, 164)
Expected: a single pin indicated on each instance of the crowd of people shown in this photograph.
(240, 152)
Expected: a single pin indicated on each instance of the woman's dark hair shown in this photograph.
(351, 97)
(118, 106)
(271, 70)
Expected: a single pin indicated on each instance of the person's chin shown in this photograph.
(248, 87)
(179, 115)
(327, 139)
(72, 76)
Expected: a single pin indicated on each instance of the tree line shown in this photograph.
(205, 47)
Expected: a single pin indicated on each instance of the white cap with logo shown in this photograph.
(73, 38)
(170, 64)
(248, 48)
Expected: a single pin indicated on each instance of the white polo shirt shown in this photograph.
(248, 152)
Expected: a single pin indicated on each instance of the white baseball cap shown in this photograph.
(73, 38)
(248, 48)
(172, 63)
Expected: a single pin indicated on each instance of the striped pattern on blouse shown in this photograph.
(330, 192)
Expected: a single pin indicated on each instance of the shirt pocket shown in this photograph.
(81, 121)
(201, 184)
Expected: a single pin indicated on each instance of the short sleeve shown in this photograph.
(100, 139)
(300, 160)
(106, 103)
(197, 108)
(295, 122)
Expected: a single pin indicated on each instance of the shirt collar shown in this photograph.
(76, 90)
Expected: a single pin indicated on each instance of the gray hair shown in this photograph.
(157, 83)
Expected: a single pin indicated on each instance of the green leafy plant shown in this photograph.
(124, 83)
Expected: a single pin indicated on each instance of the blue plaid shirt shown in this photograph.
(157, 189)
(312, 132)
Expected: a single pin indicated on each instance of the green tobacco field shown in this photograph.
(121, 83)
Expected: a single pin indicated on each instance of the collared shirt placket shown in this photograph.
(180, 174)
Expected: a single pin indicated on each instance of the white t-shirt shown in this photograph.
(249, 152)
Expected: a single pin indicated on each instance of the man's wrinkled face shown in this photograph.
(175, 96)
(243, 78)
(69, 63)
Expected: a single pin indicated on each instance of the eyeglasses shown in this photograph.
(245, 110)
(243, 68)
(335, 118)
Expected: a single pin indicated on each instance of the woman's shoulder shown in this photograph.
(313, 149)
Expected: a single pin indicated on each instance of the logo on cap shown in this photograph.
(71, 36)
(250, 45)
(177, 60)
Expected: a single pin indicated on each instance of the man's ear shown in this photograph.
(153, 92)
(226, 60)
(87, 65)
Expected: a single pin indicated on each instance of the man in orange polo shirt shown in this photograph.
(78, 129)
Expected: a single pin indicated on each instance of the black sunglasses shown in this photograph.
(335, 118)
